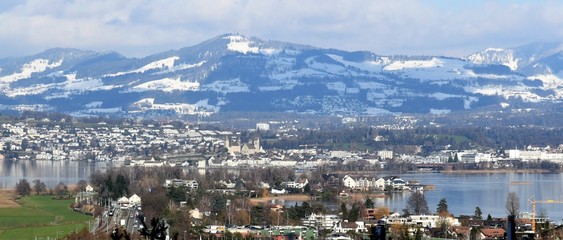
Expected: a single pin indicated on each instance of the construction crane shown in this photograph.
(532, 200)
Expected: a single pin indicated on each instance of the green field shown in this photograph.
(40, 217)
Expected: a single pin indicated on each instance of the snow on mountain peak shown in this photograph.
(496, 56)
(239, 43)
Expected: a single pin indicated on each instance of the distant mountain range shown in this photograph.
(233, 72)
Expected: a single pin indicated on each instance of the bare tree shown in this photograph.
(61, 189)
(417, 204)
(81, 185)
(23, 188)
(512, 204)
(39, 187)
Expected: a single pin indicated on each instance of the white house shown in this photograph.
(276, 191)
(299, 184)
(380, 183)
(123, 202)
(385, 154)
(192, 184)
(345, 226)
(135, 199)
(321, 221)
(426, 221)
(349, 182)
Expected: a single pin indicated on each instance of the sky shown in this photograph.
(137, 28)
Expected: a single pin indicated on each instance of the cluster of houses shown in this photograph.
(139, 145)
(377, 184)
(190, 184)
(530, 154)
(127, 202)
(30, 141)
(427, 226)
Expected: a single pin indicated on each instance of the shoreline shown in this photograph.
(306, 198)
(538, 171)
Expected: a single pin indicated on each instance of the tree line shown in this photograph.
(430, 138)
(25, 188)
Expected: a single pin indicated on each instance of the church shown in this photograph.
(249, 148)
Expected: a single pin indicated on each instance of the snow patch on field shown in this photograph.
(549, 80)
(70, 76)
(324, 67)
(166, 63)
(400, 65)
(182, 66)
(33, 90)
(103, 110)
(83, 84)
(226, 86)
(369, 66)
(95, 104)
(201, 108)
(270, 51)
(439, 111)
(442, 96)
(166, 85)
(35, 66)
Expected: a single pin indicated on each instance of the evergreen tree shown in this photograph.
(442, 208)
(354, 213)
(344, 210)
(478, 214)
(368, 203)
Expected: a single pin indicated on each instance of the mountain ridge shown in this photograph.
(232, 72)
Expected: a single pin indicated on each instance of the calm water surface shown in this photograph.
(50, 172)
(463, 192)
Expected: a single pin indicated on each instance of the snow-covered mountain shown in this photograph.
(233, 72)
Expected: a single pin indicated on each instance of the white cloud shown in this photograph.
(141, 27)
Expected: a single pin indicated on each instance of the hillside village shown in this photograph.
(356, 219)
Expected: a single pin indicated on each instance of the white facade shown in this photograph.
(262, 126)
(349, 182)
(426, 221)
(535, 155)
(321, 221)
(385, 154)
(135, 200)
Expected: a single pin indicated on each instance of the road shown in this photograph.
(126, 217)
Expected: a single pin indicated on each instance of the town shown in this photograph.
(180, 144)
(193, 181)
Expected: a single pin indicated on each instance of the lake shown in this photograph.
(463, 192)
(50, 172)
(488, 191)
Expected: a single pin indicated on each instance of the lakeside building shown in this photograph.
(535, 155)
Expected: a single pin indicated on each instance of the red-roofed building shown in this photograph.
(492, 233)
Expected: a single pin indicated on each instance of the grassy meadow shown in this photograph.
(40, 217)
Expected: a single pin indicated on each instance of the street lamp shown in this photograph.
(184, 234)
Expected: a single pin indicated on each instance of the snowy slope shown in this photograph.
(233, 72)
